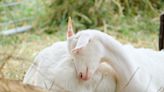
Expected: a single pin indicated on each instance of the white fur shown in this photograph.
(53, 69)
(137, 70)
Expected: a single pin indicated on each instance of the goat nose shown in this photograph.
(83, 76)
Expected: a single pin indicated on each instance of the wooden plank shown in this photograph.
(161, 33)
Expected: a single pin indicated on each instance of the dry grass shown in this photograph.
(17, 57)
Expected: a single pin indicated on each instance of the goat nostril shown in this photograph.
(81, 75)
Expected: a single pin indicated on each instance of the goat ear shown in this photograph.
(70, 32)
(81, 43)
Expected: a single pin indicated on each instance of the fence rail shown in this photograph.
(11, 4)
(11, 19)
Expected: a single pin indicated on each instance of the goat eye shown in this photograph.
(89, 40)
(75, 40)
(72, 60)
(77, 37)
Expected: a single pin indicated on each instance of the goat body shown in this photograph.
(54, 70)
(137, 69)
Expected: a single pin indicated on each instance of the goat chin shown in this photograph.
(54, 70)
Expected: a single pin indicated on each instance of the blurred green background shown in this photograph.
(129, 21)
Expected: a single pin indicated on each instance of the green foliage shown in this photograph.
(96, 13)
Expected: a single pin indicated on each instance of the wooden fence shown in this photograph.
(13, 17)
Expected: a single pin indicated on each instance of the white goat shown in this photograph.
(137, 70)
(54, 69)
